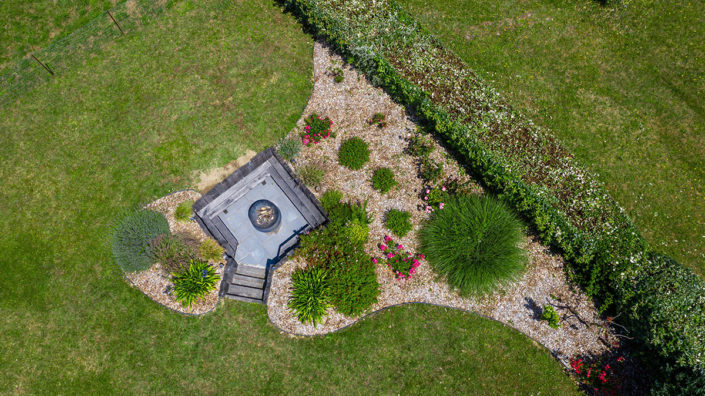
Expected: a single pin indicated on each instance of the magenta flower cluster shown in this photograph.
(434, 198)
(401, 262)
(316, 129)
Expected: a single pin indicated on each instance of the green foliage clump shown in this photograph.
(131, 238)
(316, 129)
(473, 243)
(353, 153)
(312, 174)
(383, 180)
(431, 170)
(419, 145)
(289, 148)
(309, 294)
(357, 231)
(551, 316)
(398, 221)
(378, 119)
(337, 74)
(330, 199)
(194, 282)
(211, 250)
(171, 251)
(184, 210)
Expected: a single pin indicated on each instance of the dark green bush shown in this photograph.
(398, 221)
(431, 170)
(309, 294)
(289, 148)
(211, 250)
(312, 174)
(184, 210)
(345, 212)
(194, 282)
(130, 243)
(551, 316)
(171, 251)
(474, 244)
(330, 199)
(383, 180)
(353, 153)
(419, 145)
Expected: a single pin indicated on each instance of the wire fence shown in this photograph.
(50, 62)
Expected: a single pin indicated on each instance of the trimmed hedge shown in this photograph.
(529, 171)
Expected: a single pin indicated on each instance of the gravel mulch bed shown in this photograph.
(350, 104)
(155, 282)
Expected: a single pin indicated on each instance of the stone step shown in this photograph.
(245, 291)
(244, 299)
(244, 280)
(254, 272)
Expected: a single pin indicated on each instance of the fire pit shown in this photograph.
(264, 215)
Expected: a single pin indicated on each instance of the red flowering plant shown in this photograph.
(400, 261)
(599, 377)
(316, 129)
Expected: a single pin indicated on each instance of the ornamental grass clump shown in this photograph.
(194, 282)
(353, 153)
(132, 237)
(289, 148)
(474, 244)
(316, 129)
(171, 252)
(309, 294)
(211, 250)
(383, 180)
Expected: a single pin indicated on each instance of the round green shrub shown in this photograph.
(194, 282)
(184, 210)
(383, 180)
(171, 251)
(132, 237)
(398, 221)
(353, 153)
(211, 251)
(289, 148)
(474, 243)
(309, 294)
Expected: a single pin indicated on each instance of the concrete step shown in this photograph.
(254, 272)
(248, 281)
(245, 291)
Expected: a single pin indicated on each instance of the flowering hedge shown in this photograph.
(525, 167)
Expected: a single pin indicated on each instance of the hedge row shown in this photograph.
(530, 171)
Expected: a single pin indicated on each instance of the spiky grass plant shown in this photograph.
(474, 244)
(309, 296)
(184, 210)
(194, 282)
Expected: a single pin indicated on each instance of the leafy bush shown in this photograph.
(402, 262)
(357, 231)
(419, 145)
(383, 180)
(353, 153)
(309, 294)
(473, 243)
(211, 250)
(378, 119)
(551, 316)
(171, 252)
(130, 243)
(289, 148)
(345, 212)
(312, 174)
(431, 170)
(316, 129)
(330, 199)
(194, 282)
(398, 221)
(184, 210)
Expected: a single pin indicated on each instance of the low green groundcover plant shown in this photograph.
(399, 260)
(171, 251)
(353, 153)
(211, 250)
(184, 210)
(289, 148)
(309, 294)
(131, 238)
(551, 316)
(474, 244)
(194, 282)
(398, 221)
(383, 180)
(419, 145)
(431, 170)
(316, 129)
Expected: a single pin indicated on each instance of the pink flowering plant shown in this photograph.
(316, 129)
(399, 260)
(435, 198)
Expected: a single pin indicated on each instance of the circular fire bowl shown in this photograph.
(264, 215)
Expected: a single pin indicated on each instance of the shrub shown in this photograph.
(309, 294)
(171, 252)
(473, 243)
(316, 129)
(402, 262)
(431, 170)
(289, 148)
(378, 119)
(353, 153)
(551, 316)
(330, 199)
(357, 231)
(337, 74)
(383, 180)
(130, 243)
(194, 282)
(419, 145)
(346, 212)
(312, 174)
(398, 221)
(211, 250)
(184, 210)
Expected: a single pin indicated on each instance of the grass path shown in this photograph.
(619, 88)
(191, 90)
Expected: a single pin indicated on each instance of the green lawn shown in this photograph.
(620, 88)
(130, 122)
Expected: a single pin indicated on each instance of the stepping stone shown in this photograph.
(245, 291)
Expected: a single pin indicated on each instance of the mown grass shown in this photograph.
(620, 87)
(118, 127)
